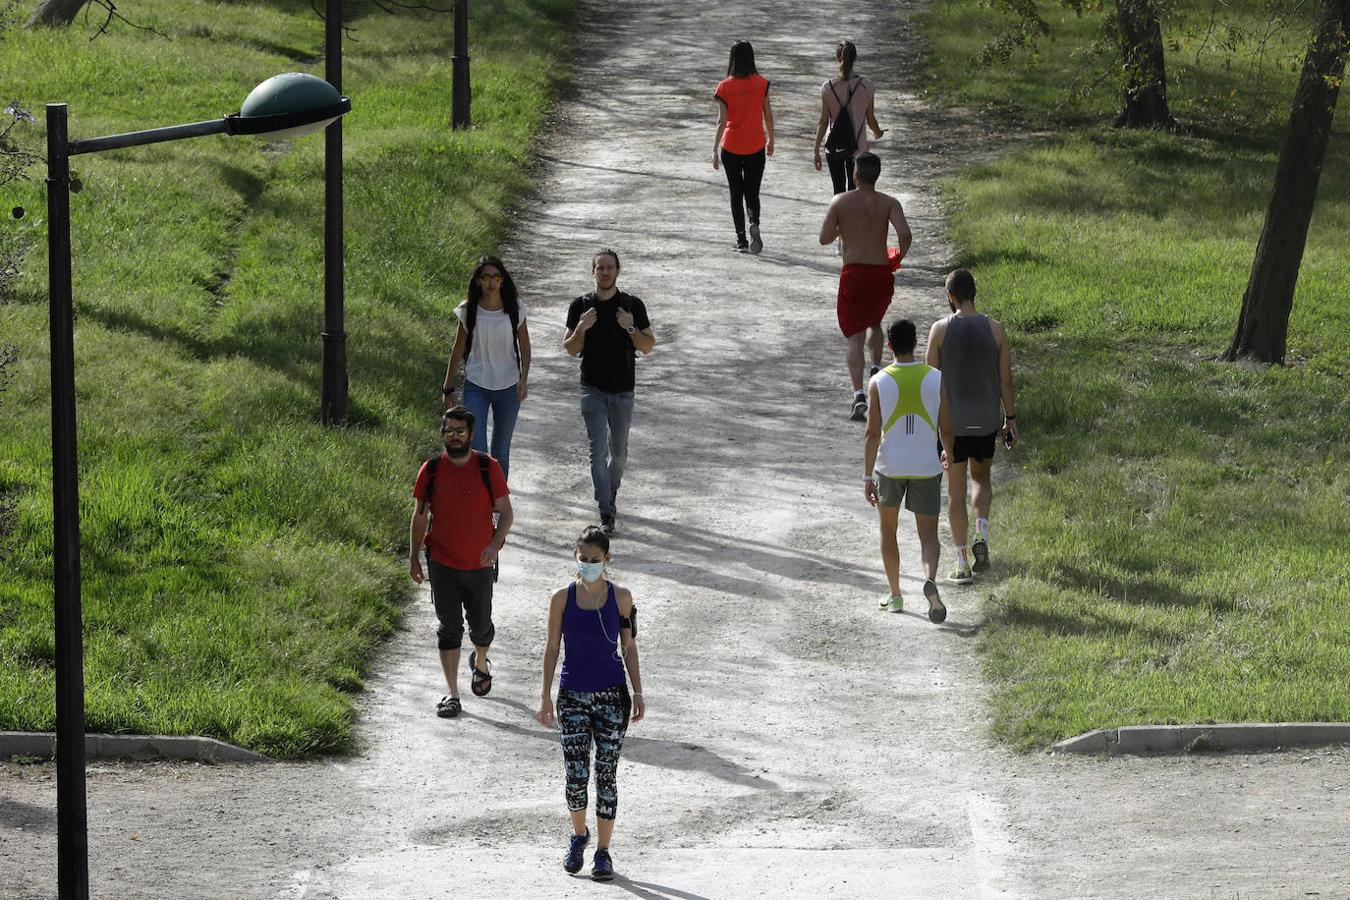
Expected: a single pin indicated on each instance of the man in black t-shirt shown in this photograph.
(607, 328)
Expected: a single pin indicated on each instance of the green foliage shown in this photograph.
(1172, 546)
(238, 557)
(1228, 65)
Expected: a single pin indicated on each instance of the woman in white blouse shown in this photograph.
(493, 342)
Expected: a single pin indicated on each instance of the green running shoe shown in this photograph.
(961, 574)
(894, 603)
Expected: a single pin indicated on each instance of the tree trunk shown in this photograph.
(1263, 323)
(56, 13)
(1139, 32)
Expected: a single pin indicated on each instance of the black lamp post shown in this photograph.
(286, 105)
(459, 68)
(333, 401)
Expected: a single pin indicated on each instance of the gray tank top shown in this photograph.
(968, 359)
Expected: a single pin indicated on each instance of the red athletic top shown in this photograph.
(461, 511)
(744, 98)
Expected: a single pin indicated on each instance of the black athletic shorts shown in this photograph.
(459, 594)
(980, 446)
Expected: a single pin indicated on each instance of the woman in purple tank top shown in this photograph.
(594, 621)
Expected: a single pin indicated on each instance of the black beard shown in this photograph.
(458, 453)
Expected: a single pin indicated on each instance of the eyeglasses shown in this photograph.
(457, 432)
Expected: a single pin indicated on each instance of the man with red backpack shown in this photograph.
(457, 494)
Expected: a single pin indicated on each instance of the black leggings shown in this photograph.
(841, 172)
(744, 173)
(601, 716)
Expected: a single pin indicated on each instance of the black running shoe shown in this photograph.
(859, 412)
(603, 867)
(756, 244)
(575, 848)
(609, 526)
(937, 613)
(980, 550)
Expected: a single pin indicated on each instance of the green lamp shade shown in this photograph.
(294, 94)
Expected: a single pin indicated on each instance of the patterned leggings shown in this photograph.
(602, 716)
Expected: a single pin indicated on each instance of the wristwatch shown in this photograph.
(631, 328)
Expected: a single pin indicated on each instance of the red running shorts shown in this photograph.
(864, 294)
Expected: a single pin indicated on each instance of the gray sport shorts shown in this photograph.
(922, 496)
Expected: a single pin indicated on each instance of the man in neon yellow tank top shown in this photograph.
(906, 416)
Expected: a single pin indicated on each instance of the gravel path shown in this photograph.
(799, 742)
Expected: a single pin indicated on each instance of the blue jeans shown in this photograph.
(505, 406)
(608, 417)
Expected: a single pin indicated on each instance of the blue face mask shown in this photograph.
(590, 571)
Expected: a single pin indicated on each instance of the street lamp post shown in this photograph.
(286, 105)
(333, 404)
(459, 68)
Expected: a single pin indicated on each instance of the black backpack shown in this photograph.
(483, 469)
(843, 138)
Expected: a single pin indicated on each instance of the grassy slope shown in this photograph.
(1174, 546)
(236, 563)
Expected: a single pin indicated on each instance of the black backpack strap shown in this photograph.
(851, 92)
(485, 469)
(431, 479)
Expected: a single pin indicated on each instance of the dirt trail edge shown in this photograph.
(799, 742)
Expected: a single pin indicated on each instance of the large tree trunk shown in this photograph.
(1263, 323)
(56, 13)
(1139, 32)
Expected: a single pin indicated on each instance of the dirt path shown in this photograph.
(799, 742)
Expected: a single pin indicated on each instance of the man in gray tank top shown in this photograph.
(972, 351)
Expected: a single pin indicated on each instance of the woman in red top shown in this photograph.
(744, 137)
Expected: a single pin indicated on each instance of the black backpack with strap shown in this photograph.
(843, 138)
(484, 469)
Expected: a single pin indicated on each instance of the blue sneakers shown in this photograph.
(575, 848)
(603, 867)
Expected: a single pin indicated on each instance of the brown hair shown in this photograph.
(846, 55)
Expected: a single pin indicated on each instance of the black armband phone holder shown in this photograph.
(629, 621)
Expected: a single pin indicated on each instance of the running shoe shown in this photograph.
(603, 867)
(575, 848)
(742, 247)
(608, 525)
(895, 603)
(937, 613)
(980, 550)
(872, 373)
(859, 408)
(756, 244)
(962, 574)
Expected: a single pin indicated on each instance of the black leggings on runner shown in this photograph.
(841, 172)
(601, 716)
(744, 173)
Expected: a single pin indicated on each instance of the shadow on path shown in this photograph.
(679, 755)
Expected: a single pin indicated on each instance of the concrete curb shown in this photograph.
(1144, 739)
(129, 746)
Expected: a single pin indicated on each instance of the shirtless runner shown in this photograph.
(862, 219)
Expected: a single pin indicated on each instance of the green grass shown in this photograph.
(1173, 547)
(237, 557)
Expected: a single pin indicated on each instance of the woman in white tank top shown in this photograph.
(859, 94)
(493, 342)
